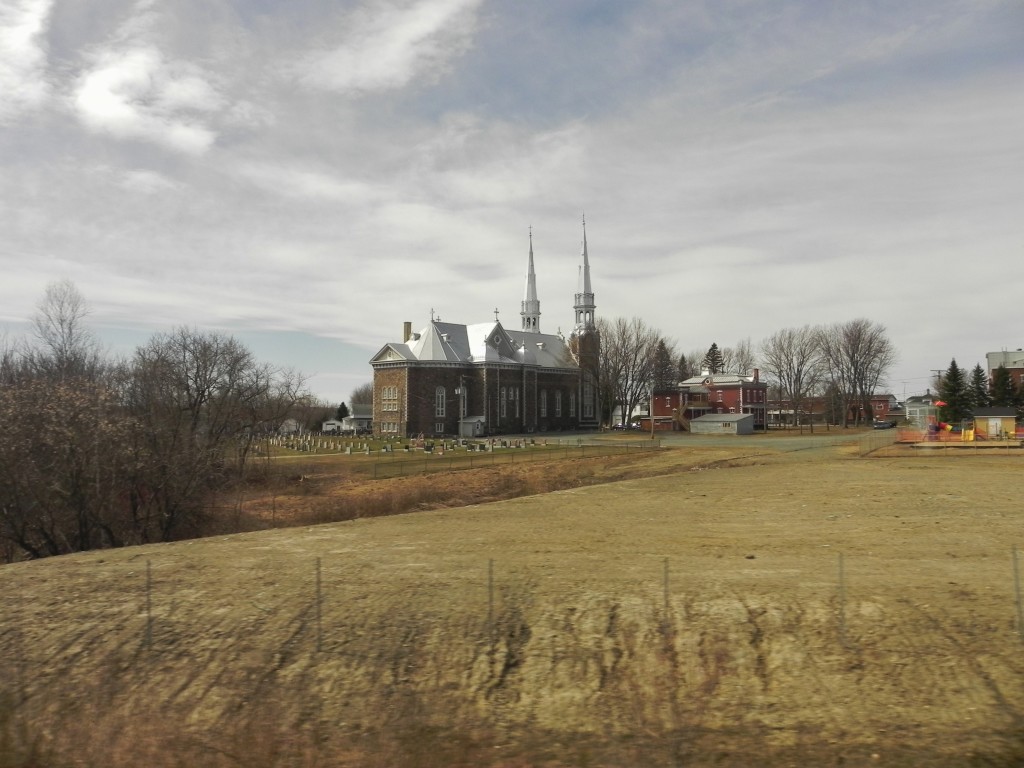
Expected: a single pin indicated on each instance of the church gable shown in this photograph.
(392, 353)
(490, 342)
(502, 343)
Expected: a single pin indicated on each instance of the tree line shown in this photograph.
(843, 362)
(962, 393)
(97, 452)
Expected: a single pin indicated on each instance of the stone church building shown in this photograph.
(485, 379)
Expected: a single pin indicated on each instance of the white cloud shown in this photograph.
(743, 167)
(22, 57)
(386, 47)
(147, 182)
(308, 185)
(136, 94)
(133, 90)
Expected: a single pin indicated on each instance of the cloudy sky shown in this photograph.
(308, 174)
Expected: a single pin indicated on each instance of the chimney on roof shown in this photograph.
(757, 375)
(406, 331)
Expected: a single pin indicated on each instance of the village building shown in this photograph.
(995, 423)
(1012, 361)
(485, 379)
(711, 394)
(359, 420)
(884, 407)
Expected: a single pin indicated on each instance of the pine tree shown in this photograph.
(979, 391)
(713, 361)
(664, 371)
(953, 390)
(342, 412)
(689, 365)
(1004, 394)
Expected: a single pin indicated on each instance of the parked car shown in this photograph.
(884, 424)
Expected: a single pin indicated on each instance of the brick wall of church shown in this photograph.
(508, 397)
(388, 410)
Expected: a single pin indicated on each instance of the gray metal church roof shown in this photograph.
(486, 342)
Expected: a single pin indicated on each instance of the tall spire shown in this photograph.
(585, 306)
(531, 304)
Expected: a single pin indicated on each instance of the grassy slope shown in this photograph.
(692, 618)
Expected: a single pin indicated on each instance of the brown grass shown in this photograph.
(689, 616)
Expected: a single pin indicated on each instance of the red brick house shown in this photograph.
(815, 410)
(710, 393)
(1013, 361)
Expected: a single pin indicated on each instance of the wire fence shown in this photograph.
(330, 603)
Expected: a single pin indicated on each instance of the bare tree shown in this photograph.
(62, 467)
(626, 369)
(67, 347)
(740, 359)
(792, 360)
(200, 401)
(96, 454)
(362, 395)
(857, 355)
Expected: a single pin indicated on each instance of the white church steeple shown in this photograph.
(531, 304)
(585, 307)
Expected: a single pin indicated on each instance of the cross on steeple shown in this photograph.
(495, 314)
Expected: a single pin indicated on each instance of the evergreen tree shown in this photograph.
(664, 372)
(713, 361)
(689, 365)
(1004, 394)
(342, 412)
(979, 391)
(954, 391)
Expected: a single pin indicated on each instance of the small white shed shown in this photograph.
(723, 424)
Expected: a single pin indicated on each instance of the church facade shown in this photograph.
(449, 379)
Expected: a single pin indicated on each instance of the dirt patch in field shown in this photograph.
(744, 607)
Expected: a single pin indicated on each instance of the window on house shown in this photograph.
(558, 402)
(439, 402)
(504, 403)
(389, 398)
(588, 400)
(543, 402)
(572, 403)
(439, 428)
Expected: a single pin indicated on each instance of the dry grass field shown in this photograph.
(736, 603)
